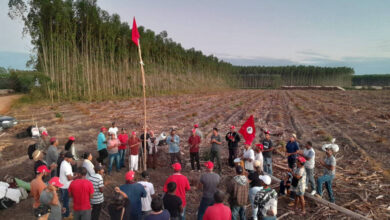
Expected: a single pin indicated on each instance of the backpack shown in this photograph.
(30, 150)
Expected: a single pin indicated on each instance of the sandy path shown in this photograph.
(6, 102)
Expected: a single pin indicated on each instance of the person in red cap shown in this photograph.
(299, 184)
(233, 138)
(102, 145)
(69, 146)
(198, 131)
(123, 138)
(37, 184)
(43, 142)
(82, 191)
(218, 211)
(182, 185)
(52, 156)
(134, 192)
(49, 197)
(258, 154)
(194, 141)
(134, 145)
(209, 182)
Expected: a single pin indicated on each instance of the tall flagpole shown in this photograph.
(144, 93)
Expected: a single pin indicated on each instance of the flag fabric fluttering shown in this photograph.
(134, 33)
(248, 130)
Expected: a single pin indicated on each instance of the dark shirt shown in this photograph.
(210, 182)
(134, 192)
(229, 138)
(162, 216)
(254, 178)
(172, 203)
(116, 213)
(267, 146)
(142, 141)
(292, 147)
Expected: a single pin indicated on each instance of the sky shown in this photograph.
(257, 32)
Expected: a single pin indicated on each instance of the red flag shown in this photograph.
(248, 130)
(134, 33)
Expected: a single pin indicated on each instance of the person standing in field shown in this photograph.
(87, 164)
(299, 183)
(238, 191)
(98, 186)
(49, 197)
(37, 184)
(218, 211)
(233, 139)
(66, 177)
(113, 153)
(144, 150)
(134, 145)
(173, 142)
(152, 152)
(43, 142)
(134, 192)
(149, 188)
(198, 131)
(194, 141)
(69, 146)
(329, 165)
(182, 185)
(292, 148)
(123, 138)
(216, 143)
(52, 156)
(209, 181)
(248, 157)
(113, 130)
(267, 153)
(81, 190)
(255, 186)
(259, 155)
(266, 200)
(309, 154)
(172, 202)
(102, 145)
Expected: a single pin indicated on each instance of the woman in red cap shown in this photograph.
(49, 197)
(69, 146)
(299, 183)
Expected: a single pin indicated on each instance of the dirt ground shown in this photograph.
(359, 120)
(6, 102)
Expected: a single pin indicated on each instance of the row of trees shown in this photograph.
(88, 53)
(371, 80)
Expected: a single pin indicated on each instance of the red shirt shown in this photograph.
(182, 185)
(81, 190)
(218, 211)
(123, 139)
(194, 142)
(134, 149)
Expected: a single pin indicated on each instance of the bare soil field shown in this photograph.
(359, 120)
(6, 102)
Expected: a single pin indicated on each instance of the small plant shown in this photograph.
(58, 115)
(327, 137)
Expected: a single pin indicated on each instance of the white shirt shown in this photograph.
(65, 170)
(310, 152)
(112, 130)
(149, 188)
(259, 157)
(249, 154)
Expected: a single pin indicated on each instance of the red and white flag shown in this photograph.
(134, 33)
(248, 130)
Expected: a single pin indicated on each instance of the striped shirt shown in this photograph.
(97, 182)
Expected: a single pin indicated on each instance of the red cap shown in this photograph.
(44, 133)
(103, 129)
(267, 132)
(209, 165)
(53, 139)
(248, 142)
(176, 166)
(130, 175)
(301, 159)
(134, 133)
(55, 181)
(43, 168)
(232, 127)
(196, 126)
(72, 138)
(260, 146)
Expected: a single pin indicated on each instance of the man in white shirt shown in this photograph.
(149, 188)
(248, 156)
(310, 155)
(66, 177)
(113, 130)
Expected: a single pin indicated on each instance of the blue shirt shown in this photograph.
(292, 147)
(100, 141)
(173, 144)
(134, 192)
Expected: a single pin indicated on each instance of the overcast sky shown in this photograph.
(257, 32)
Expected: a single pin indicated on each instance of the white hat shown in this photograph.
(237, 160)
(256, 163)
(266, 179)
(334, 147)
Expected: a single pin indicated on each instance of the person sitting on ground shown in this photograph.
(292, 148)
(266, 200)
(182, 185)
(113, 130)
(248, 157)
(49, 197)
(172, 202)
(267, 153)
(98, 186)
(157, 210)
(69, 146)
(134, 145)
(233, 139)
(255, 185)
(87, 164)
(81, 190)
(173, 142)
(299, 184)
(102, 145)
(113, 154)
(152, 152)
(123, 138)
(215, 153)
(37, 185)
(149, 188)
(238, 191)
(117, 209)
(218, 211)
(52, 156)
(329, 165)
(209, 181)
(285, 185)
(310, 155)
(134, 192)
(194, 141)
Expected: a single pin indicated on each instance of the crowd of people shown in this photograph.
(59, 178)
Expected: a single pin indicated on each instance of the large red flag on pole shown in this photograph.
(134, 33)
(248, 130)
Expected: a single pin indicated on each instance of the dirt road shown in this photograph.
(6, 102)
(359, 120)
